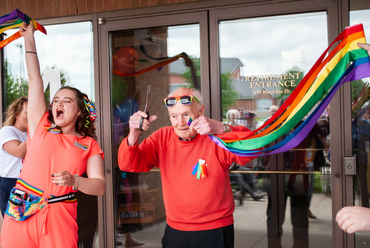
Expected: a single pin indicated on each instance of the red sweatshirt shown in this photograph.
(191, 205)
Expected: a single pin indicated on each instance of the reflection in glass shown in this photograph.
(139, 207)
(262, 60)
(361, 126)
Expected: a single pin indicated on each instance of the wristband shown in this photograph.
(31, 52)
(76, 188)
(226, 128)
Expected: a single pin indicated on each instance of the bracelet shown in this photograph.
(226, 128)
(76, 188)
(31, 52)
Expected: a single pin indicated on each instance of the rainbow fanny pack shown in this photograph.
(22, 205)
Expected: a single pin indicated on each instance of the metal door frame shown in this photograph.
(107, 25)
(335, 25)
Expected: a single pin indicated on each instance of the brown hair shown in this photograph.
(14, 110)
(81, 120)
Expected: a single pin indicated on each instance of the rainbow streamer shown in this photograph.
(200, 169)
(164, 62)
(20, 18)
(324, 78)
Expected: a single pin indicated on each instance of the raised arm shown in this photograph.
(36, 103)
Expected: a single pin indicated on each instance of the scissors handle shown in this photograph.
(142, 120)
(146, 109)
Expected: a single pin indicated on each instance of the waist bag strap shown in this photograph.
(70, 196)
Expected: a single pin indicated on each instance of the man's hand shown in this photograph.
(365, 46)
(134, 124)
(207, 126)
(354, 219)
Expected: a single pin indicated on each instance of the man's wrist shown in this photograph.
(226, 128)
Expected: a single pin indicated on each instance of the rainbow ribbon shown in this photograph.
(20, 18)
(324, 78)
(164, 62)
(200, 169)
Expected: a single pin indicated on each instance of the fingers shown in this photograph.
(365, 46)
(152, 118)
(201, 125)
(135, 120)
(27, 29)
(63, 178)
(346, 219)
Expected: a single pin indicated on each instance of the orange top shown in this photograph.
(49, 152)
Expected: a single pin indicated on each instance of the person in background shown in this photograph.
(13, 139)
(232, 116)
(273, 110)
(241, 119)
(251, 123)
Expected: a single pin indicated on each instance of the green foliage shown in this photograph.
(229, 95)
(287, 90)
(187, 74)
(356, 88)
(16, 87)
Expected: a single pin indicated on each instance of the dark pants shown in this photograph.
(6, 185)
(216, 238)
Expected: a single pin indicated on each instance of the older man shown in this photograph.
(199, 212)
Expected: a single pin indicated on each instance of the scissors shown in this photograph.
(146, 109)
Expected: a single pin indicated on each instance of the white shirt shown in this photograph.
(10, 166)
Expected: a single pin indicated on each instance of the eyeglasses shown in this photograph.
(185, 100)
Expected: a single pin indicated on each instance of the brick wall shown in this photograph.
(40, 9)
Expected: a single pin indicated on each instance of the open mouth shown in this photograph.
(60, 113)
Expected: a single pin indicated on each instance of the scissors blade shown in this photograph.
(146, 109)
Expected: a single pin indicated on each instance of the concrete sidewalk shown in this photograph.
(250, 226)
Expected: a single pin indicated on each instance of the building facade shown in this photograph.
(246, 55)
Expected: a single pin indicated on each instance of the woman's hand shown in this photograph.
(27, 29)
(64, 178)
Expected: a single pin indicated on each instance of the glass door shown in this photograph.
(283, 200)
(136, 201)
(360, 120)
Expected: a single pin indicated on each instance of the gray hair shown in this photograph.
(274, 107)
(232, 111)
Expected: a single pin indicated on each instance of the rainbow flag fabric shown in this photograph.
(14, 20)
(345, 63)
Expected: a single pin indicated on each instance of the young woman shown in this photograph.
(13, 138)
(61, 146)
